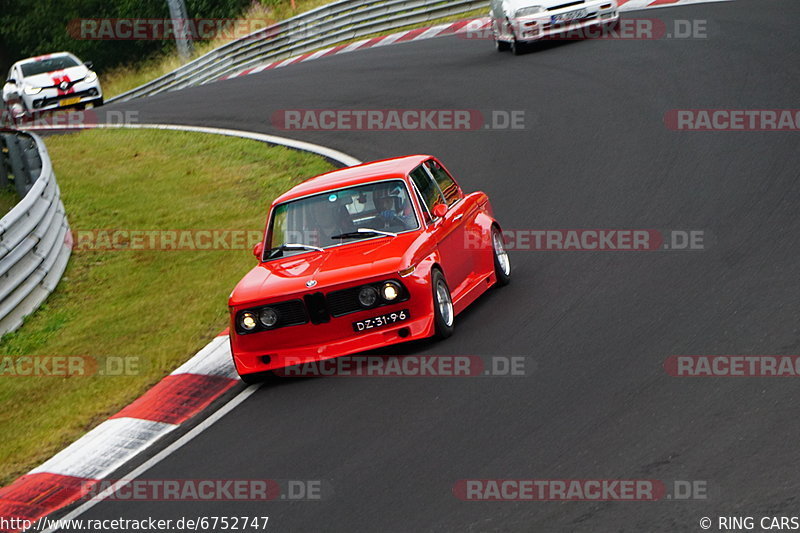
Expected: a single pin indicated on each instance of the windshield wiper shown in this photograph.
(363, 231)
(292, 246)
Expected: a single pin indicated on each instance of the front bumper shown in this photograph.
(50, 98)
(292, 345)
(541, 26)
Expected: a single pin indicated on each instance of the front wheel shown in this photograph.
(443, 312)
(502, 266)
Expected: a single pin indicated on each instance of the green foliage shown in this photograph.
(34, 27)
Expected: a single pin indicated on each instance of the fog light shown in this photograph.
(367, 296)
(390, 291)
(268, 317)
(248, 321)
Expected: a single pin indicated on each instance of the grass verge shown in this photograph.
(8, 199)
(158, 306)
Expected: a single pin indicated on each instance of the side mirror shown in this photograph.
(88, 64)
(439, 210)
(258, 250)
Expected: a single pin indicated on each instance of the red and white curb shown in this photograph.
(441, 30)
(67, 477)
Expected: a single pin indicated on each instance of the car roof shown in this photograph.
(397, 167)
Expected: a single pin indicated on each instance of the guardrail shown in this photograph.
(34, 235)
(316, 29)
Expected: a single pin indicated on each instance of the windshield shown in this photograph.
(344, 215)
(47, 65)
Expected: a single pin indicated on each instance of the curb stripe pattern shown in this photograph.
(441, 30)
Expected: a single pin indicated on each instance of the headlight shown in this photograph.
(530, 10)
(367, 296)
(268, 317)
(33, 90)
(247, 321)
(90, 77)
(390, 291)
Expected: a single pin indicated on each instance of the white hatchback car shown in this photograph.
(516, 22)
(49, 82)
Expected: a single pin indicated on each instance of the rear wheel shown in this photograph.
(502, 266)
(443, 312)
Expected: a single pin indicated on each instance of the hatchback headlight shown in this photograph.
(33, 90)
(527, 11)
(90, 76)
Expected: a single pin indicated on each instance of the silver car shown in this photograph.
(52, 81)
(516, 22)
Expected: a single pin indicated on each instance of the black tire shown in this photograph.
(501, 46)
(98, 102)
(517, 47)
(502, 269)
(444, 327)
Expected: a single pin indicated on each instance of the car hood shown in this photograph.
(47, 79)
(287, 277)
(519, 4)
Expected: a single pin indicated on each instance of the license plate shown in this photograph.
(70, 101)
(566, 17)
(381, 321)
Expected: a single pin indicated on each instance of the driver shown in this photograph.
(388, 206)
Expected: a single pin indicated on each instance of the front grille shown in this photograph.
(317, 308)
(344, 301)
(54, 100)
(290, 313)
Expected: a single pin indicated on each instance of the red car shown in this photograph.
(360, 258)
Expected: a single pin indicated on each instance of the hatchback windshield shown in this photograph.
(344, 215)
(48, 65)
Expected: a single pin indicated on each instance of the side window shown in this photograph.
(446, 183)
(426, 187)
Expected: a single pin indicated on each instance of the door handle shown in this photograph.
(458, 217)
